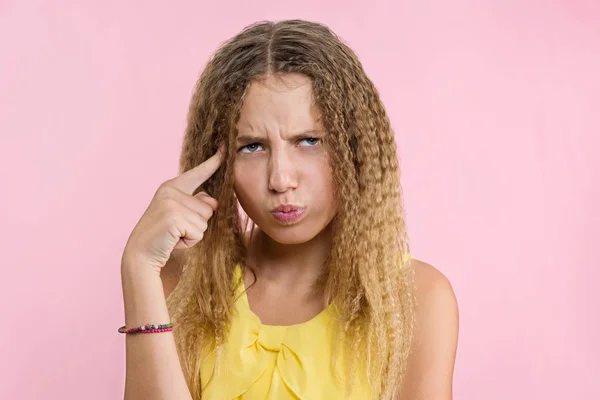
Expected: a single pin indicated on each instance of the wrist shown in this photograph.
(136, 267)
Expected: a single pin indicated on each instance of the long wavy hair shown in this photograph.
(366, 280)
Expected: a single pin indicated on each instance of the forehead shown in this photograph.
(279, 104)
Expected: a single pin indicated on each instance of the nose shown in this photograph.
(283, 175)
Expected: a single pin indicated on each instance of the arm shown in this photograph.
(431, 362)
(171, 272)
(175, 219)
(153, 370)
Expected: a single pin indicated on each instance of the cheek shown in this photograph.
(245, 187)
(240, 183)
(322, 180)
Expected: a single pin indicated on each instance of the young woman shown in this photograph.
(281, 246)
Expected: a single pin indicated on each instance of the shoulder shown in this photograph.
(431, 362)
(432, 284)
(436, 300)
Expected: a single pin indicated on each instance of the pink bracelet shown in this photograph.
(148, 328)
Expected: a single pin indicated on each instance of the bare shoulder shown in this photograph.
(430, 366)
(431, 282)
(436, 299)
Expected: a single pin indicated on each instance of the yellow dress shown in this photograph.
(268, 362)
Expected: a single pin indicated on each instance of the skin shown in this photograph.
(281, 159)
(276, 167)
(431, 363)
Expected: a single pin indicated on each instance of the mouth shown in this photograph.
(288, 214)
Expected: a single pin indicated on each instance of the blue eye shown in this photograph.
(311, 141)
(255, 147)
(251, 148)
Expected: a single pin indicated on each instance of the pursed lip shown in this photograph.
(288, 214)
(286, 208)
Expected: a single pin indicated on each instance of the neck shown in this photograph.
(302, 262)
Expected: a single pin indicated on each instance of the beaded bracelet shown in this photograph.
(148, 328)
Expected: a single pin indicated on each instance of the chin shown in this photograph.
(293, 234)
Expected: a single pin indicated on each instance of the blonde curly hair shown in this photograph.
(369, 286)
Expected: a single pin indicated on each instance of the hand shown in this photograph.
(175, 219)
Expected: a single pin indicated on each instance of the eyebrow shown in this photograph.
(245, 139)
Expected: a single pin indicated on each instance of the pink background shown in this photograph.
(496, 107)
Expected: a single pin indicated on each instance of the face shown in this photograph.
(282, 161)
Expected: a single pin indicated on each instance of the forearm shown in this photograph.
(153, 370)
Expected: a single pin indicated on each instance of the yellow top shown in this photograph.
(263, 362)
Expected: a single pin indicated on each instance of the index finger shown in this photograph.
(189, 181)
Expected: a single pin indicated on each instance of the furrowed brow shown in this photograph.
(244, 139)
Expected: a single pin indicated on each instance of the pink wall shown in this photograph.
(496, 105)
